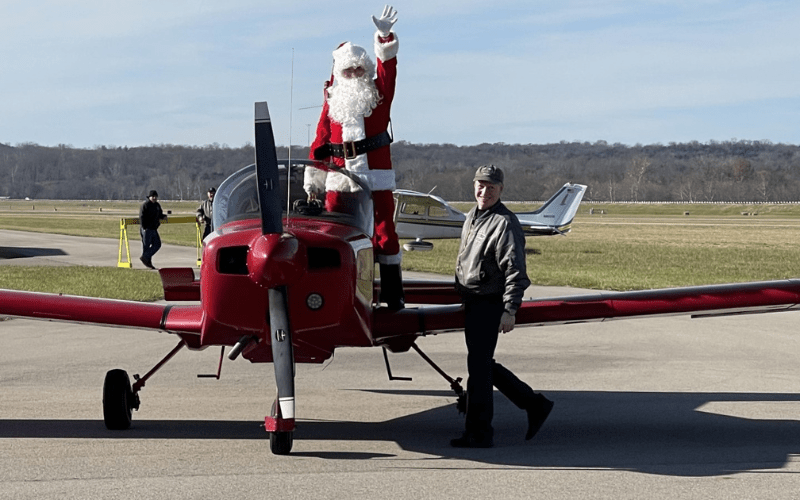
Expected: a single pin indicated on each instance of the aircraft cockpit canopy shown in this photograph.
(237, 199)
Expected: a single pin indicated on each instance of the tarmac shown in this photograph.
(658, 408)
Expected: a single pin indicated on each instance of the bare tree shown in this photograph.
(763, 177)
(636, 172)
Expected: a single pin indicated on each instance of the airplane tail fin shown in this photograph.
(556, 215)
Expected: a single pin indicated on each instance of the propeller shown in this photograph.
(281, 423)
(267, 172)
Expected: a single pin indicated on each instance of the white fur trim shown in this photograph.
(340, 183)
(386, 50)
(391, 260)
(357, 164)
(314, 179)
(354, 130)
(376, 180)
(351, 56)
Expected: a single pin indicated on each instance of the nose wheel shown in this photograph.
(281, 431)
(280, 443)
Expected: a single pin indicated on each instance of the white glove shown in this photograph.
(507, 322)
(386, 21)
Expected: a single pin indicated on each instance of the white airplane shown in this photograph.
(421, 216)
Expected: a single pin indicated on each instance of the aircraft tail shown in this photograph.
(555, 216)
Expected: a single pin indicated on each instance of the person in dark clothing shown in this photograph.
(491, 277)
(205, 212)
(150, 217)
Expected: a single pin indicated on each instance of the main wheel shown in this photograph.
(118, 400)
(281, 442)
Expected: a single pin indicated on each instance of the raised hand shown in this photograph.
(386, 21)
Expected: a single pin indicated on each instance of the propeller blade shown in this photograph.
(282, 353)
(267, 172)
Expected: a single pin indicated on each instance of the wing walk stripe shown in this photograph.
(164, 316)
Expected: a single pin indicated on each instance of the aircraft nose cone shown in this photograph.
(277, 259)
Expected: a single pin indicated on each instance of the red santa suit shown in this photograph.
(366, 130)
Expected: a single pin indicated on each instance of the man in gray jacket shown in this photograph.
(205, 212)
(491, 278)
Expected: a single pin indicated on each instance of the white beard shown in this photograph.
(352, 99)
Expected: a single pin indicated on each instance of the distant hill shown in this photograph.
(737, 171)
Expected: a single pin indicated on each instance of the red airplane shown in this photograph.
(292, 288)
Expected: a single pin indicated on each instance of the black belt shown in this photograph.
(350, 150)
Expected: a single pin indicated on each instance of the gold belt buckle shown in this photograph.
(349, 150)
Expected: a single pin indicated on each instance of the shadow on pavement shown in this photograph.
(656, 433)
(27, 252)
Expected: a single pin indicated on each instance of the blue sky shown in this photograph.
(113, 73)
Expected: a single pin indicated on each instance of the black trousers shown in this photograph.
(482, 321)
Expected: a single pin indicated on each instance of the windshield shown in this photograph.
(237, 199)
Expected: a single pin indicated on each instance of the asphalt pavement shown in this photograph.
(658, 408)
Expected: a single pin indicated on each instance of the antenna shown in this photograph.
(289, 164)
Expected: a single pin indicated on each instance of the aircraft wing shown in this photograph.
(184, 320)
(697, 301)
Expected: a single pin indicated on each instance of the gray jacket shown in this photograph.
(491, 256)
(205, 210)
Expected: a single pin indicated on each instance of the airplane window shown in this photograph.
(237, 199)
(413, 209)
(436, 211)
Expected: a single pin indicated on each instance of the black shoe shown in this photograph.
(537, 414)
(471, 441)
(396, 305)
(147, 262)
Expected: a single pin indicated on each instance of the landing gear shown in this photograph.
(119, 400)
(281, 431)
(455, 383)
(280, 422)
(281, 442)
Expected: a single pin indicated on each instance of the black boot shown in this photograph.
(392, 287)
(538, 411)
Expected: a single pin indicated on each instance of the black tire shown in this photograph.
(117, 400)
(281, 442)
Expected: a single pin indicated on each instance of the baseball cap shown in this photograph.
(489, 173)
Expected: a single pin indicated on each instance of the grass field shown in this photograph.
(618, 247)
(91, 218)
(631, 247)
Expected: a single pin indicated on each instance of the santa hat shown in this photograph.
(348, 55)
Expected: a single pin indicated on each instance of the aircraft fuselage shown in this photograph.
(330, 301)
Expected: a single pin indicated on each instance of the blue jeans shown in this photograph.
(151, 243)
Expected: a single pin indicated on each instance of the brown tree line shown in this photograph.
(726, 171)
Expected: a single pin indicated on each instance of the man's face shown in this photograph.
(154, 199)
(487, 194)
(211, 195)
(356, 72)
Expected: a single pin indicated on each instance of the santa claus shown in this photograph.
(352, 133)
